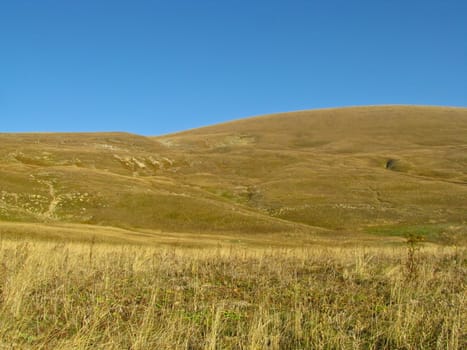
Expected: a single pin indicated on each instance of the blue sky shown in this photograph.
(153, 67)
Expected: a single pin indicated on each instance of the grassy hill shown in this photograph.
(334, 190)
(360, 173)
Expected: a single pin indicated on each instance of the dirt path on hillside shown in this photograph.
(54, 200)
(53, 203)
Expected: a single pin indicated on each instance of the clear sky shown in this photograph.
(153, 67)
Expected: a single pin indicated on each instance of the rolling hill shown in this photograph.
(360, 173)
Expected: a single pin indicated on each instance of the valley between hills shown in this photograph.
(362, 175)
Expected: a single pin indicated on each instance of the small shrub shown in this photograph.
(413, 246)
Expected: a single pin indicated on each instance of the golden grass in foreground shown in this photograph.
(97, 296)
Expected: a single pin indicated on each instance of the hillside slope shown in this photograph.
(336, 172)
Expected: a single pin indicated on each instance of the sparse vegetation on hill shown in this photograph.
(358, 170)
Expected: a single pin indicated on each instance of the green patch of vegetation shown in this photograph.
(428, 232)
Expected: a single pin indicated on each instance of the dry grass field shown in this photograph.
(328, 229)
(101, 296)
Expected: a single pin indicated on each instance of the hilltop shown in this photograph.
(359, 173)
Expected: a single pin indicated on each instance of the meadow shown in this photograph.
(288, 231)
(87, 295)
